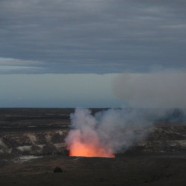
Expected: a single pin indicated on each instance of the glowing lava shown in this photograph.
(89, 150)
(85, 139)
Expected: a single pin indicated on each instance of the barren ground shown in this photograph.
(130, 170)
(160, 161)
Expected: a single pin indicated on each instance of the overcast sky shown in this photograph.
(97, 36)
(90, 37)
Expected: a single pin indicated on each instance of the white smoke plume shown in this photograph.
(115, 130)
(165, 89)
(110, 131)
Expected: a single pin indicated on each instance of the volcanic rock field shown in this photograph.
(32, 145)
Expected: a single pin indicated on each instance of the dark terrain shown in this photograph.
(40, 133)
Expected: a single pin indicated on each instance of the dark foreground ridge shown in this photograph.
(151, 170)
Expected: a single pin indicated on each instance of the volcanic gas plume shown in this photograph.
(163, 89)
(105, 133)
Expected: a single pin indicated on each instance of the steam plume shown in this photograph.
(165, 89)
(107, 132)
(112, 131)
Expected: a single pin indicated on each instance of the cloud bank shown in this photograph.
(17, 66)
(100, 36)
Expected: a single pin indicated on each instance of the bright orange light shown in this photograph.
(88, 150)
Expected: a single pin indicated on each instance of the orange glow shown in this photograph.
(87, 150)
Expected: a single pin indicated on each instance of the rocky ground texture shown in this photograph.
(33, 152)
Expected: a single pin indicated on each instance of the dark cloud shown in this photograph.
(98, 36)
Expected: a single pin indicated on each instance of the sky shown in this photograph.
(76, 44)
(58, 90)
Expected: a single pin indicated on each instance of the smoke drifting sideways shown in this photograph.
(107, 132)
(151, 98)
(162, 90)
